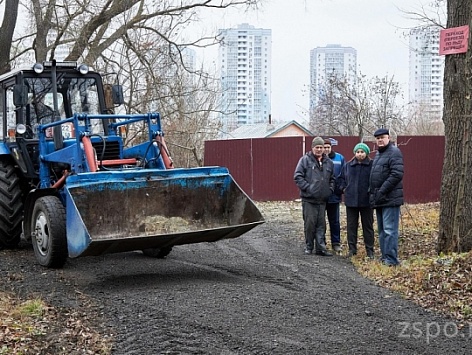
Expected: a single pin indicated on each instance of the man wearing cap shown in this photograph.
(354, 182)
(314, 176)
(332, 207)
(386, 194)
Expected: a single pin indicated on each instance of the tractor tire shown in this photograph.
(11, 206)
(159, 253)
(48, 224)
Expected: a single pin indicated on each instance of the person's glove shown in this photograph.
(380, 198)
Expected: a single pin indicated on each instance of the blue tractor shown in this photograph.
(71, 186)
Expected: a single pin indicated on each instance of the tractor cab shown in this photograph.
(49, 92)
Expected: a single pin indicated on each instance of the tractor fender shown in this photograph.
(4, 150)
(29, 206)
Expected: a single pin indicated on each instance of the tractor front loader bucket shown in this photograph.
(118, 211)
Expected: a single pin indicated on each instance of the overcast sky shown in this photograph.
(375, 28)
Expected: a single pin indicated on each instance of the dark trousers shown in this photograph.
(332, 210)
(314, 225)
(367, 221)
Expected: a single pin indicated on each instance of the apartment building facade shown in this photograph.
(426, 72)
(328, 61)
(245, 75)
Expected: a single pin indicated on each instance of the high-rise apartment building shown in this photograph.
(326, 62)
(426, 72)
(245, 74)
(329, 66)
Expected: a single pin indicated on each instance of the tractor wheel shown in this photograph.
(11, 206)
(48, 224)
(159, 253)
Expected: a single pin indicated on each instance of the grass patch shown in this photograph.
(439, 282)
(33, 327)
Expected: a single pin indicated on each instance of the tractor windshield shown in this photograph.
(74, 95)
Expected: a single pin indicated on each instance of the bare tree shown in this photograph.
(455, 221)
(190, 121)
(386, 111)
(423, 122)
(89, 27)
(431, 14)
(357, 108)
(10, 14)
(167, 81)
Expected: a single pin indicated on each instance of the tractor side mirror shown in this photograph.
(117, 94)
(20, 95)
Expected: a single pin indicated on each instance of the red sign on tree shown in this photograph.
(454, 40)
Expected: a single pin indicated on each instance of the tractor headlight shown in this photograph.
(20, 128)
(83, 69)
(38, 68)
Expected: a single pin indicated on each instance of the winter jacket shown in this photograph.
(315, 180)
(354, 180)
(338, 161)
(386, 176)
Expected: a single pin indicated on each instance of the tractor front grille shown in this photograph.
(111, 151)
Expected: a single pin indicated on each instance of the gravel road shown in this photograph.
(256, 294)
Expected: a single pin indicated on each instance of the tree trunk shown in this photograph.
(6, 33)
(455, 220)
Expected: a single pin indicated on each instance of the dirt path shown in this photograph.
(257, 294)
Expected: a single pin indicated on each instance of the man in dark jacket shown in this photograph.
(386, 194)
(314, 176)
(332, 207)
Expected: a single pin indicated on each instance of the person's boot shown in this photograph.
(323, 253)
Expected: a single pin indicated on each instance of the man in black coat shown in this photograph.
(386, 194)
(314, 176)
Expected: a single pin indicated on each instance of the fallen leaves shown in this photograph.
(438, 282)
(33, 327)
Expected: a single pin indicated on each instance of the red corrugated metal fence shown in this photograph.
(264, 167)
